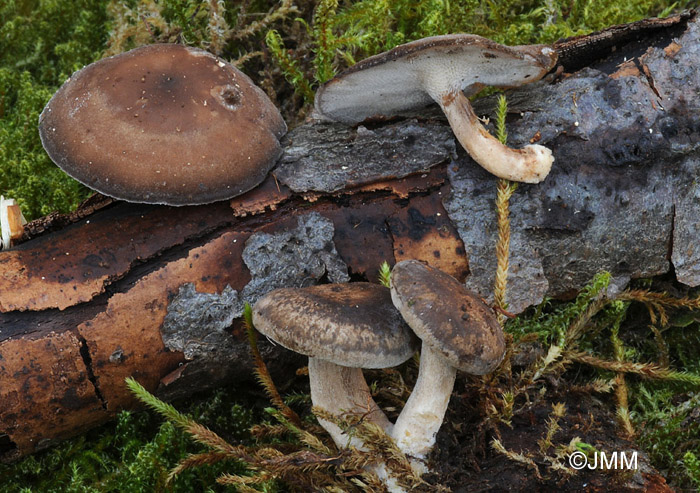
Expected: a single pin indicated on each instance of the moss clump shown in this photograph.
(42, 44)
(669, 429)
(669, 419)
(134, 454)
(336, 34)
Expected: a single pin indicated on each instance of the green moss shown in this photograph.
(669, 427)
(135, 454)
(668, 419)
(42, 43)
(692, 466)
(338, 35)
(551, 321)
(664, 412)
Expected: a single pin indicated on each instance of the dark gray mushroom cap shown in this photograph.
(451, 320)
(165, 124)
(416, 73)
(353, 324)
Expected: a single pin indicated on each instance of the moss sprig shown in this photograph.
(385, 274)
(261, 370)
(289, 66)
(505, 190)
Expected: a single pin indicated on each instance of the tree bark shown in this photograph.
(155, 292)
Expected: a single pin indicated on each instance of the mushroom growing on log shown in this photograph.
(84, 298)
(163, 124)
(459, 332)
(442, 69)
(342, 328)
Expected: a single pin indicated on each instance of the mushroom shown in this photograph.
(11, 222)
(439, 69)
(342, 328)
(163, 124)
(458, 330)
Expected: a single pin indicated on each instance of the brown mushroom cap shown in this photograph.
(414, 74)
(353, 324)
(454, 322)
(165, 124)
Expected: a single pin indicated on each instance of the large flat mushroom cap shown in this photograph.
(453, 321)
(165, 124)
(417, 73)
(353, 324)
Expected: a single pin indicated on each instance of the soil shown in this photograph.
(464, 461)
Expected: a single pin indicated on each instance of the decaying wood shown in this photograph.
(118, 290)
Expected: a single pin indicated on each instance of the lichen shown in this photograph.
(196, 322)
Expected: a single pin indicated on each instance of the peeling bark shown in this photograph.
(162, 321)
(154, 292)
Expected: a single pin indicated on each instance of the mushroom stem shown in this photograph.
(531, 164)
(11, 222)
(417, 425)
(342, 390)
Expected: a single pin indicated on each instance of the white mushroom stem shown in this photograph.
(417, 425)
(4, 224)
(342, 390)
(11, 222)
(531, 164)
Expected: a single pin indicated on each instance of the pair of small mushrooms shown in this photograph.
(346, 327)
(170, 124)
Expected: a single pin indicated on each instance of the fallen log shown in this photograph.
(155, 292)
